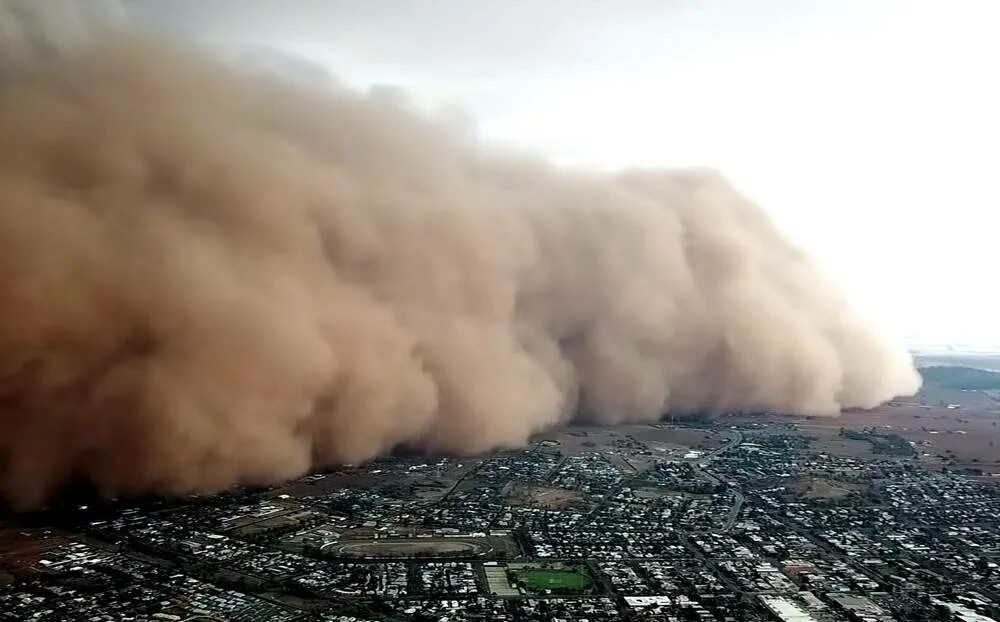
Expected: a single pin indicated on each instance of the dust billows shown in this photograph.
(33, 31)
(209, 278)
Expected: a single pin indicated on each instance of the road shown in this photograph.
(737, 440)
(734, 512)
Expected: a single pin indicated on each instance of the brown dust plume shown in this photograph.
(210, 277)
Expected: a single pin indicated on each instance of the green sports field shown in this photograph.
(538, 579)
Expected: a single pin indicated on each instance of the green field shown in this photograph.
(539, 579)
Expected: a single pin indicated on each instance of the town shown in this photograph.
(736, 518)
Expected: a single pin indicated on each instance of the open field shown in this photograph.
(822, 488)
(959, 437)
(966, 399)
(823, 433)
(289, 521)
(407, 548)
(965, 437)
(664, 438)
(566, 579)
(829, 441)
(666, 435)
(544, 496)
(416, 479)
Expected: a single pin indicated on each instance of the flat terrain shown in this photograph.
(577, 519)
(540, 579)
(821, 488)
(579, 438)
(402, 548)
(955, 437)
(549, 497)
(414, 479)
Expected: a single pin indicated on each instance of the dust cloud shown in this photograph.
(212, 277)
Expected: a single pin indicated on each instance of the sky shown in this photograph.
(868, 129)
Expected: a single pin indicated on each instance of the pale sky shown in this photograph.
(868, 129)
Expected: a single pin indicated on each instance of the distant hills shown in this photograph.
(956, 377)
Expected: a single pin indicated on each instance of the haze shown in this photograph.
(212, 276)
(868, 129)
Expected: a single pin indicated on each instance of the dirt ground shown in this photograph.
(822, 488)
(426, 485)
(544, 496)
(404, 548)
(663, 437)
(965, 399)
(961, 437)
(971, 437)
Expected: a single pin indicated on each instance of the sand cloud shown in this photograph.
(211, 277)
